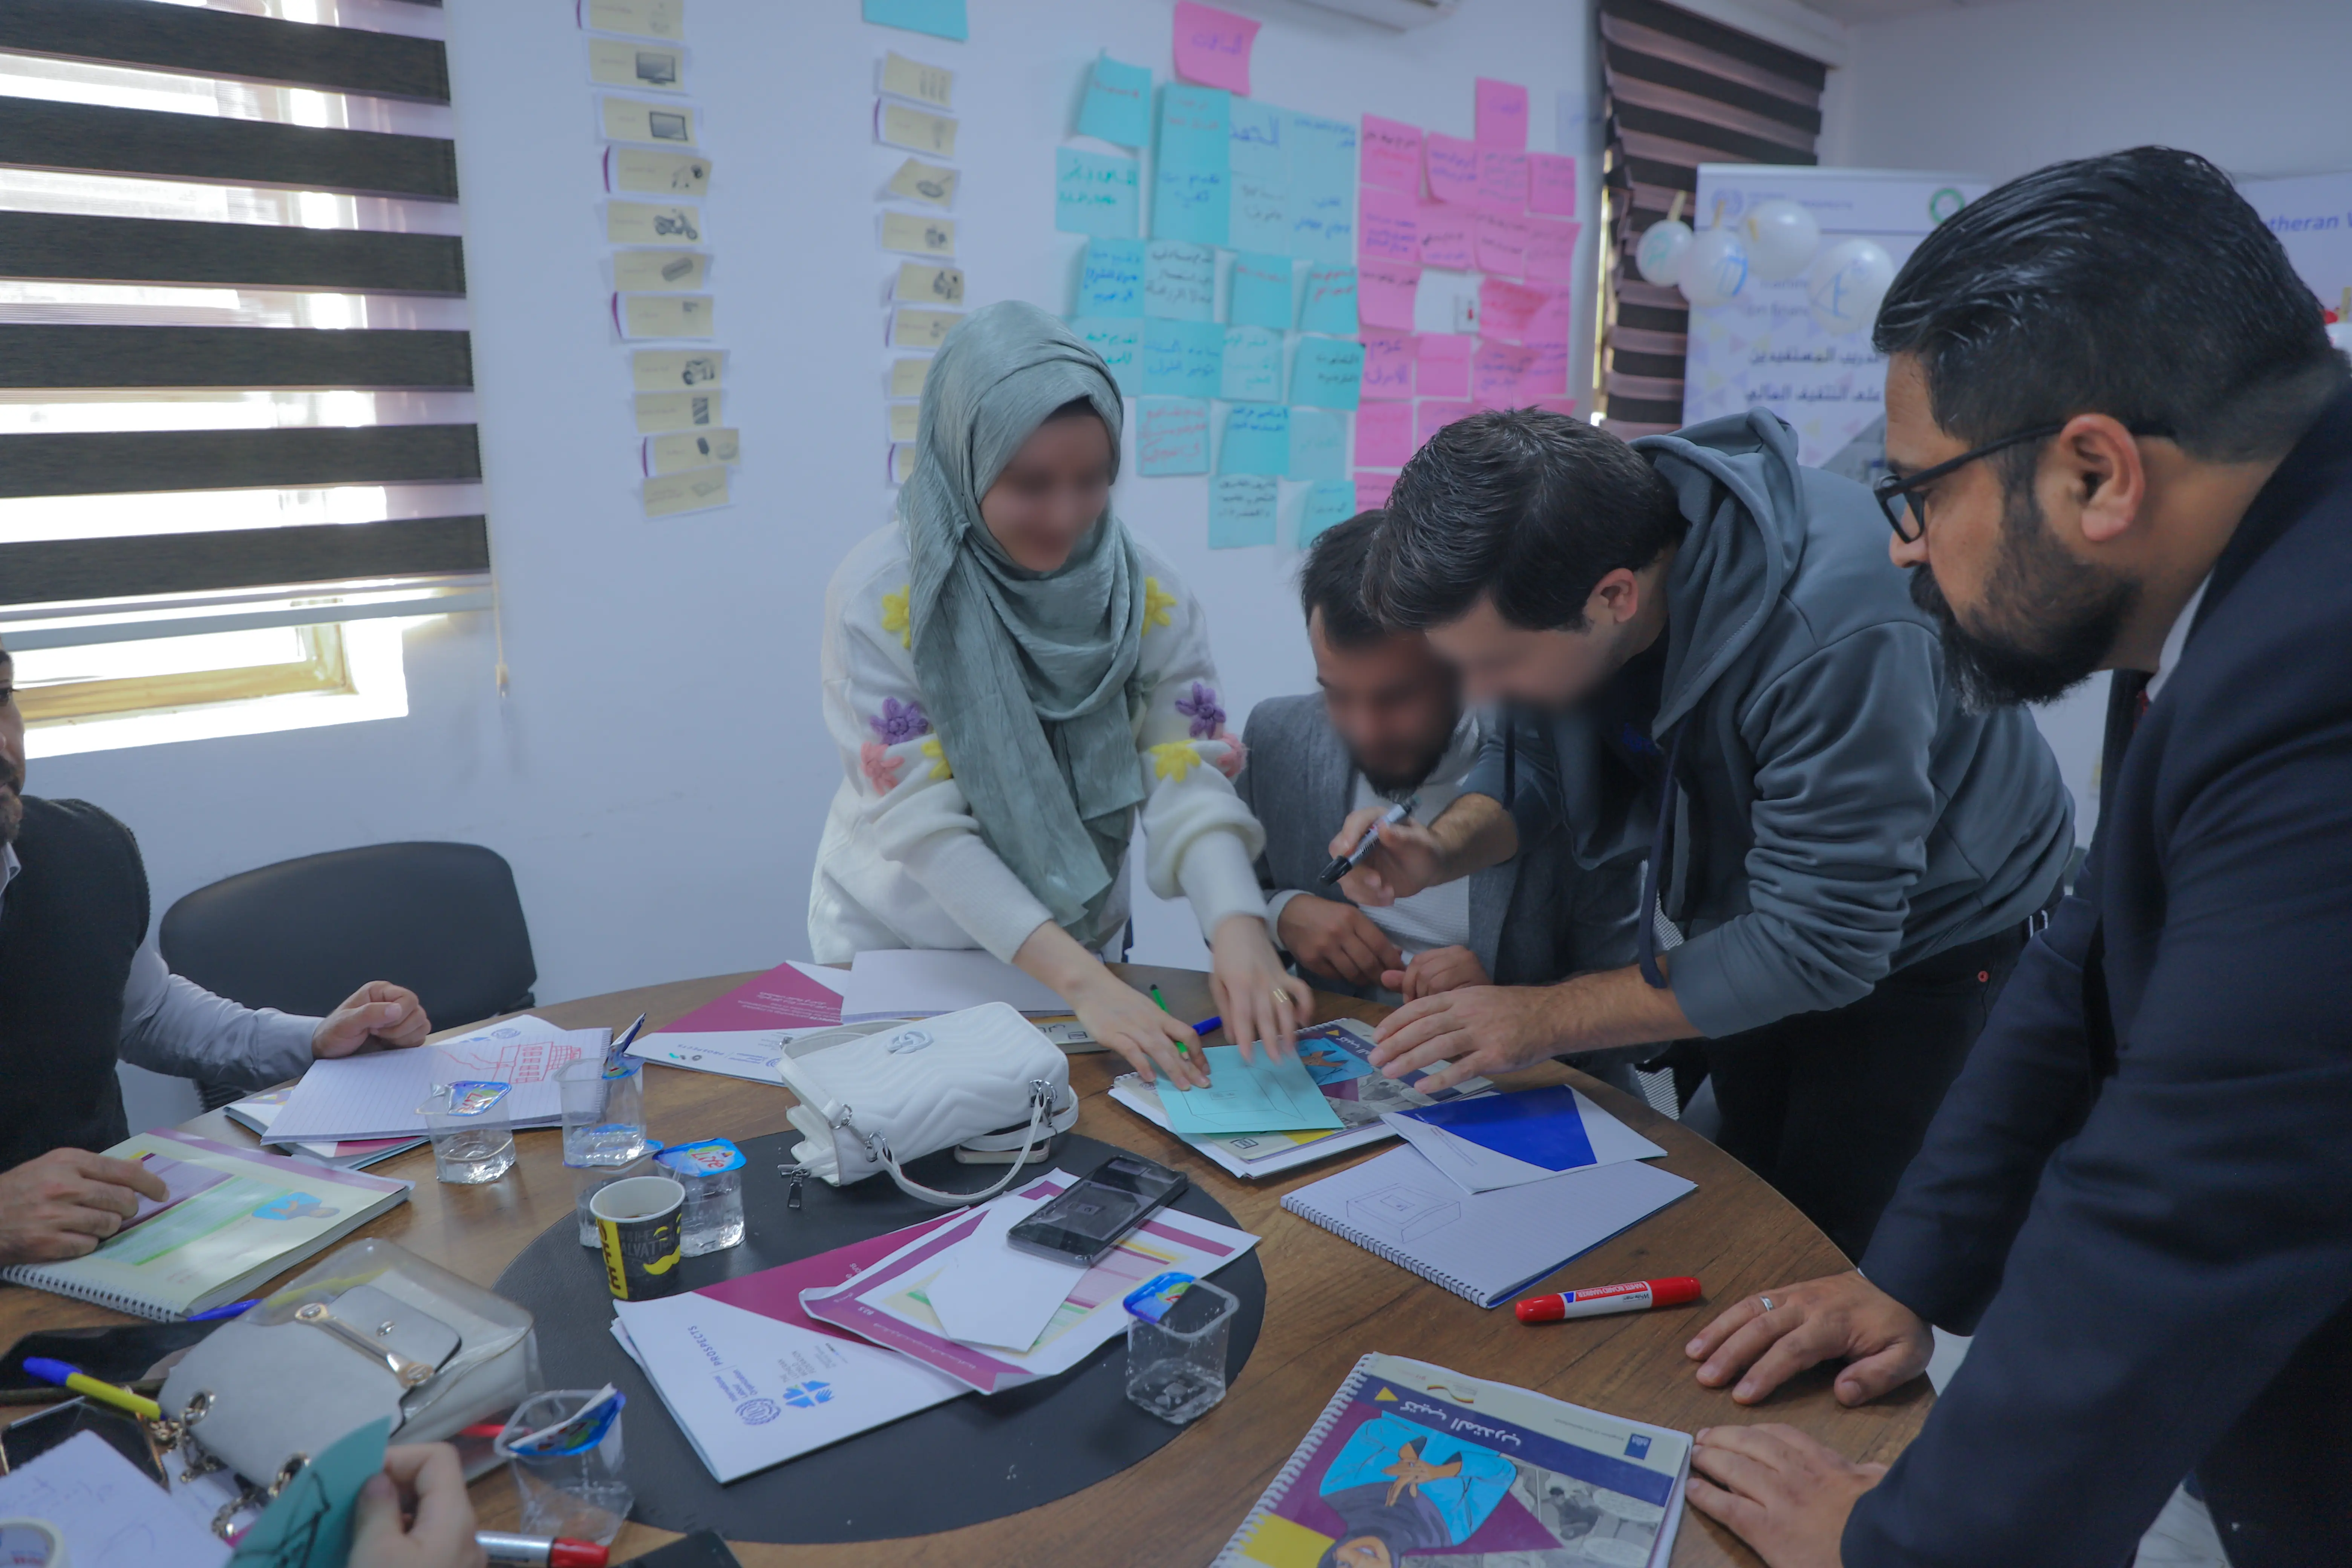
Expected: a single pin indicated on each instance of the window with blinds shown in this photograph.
(1679, 90)
(237, 410)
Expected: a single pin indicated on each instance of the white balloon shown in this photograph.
(1848, 284)
(1661, 251)
(1715, 268)
(1782, 239)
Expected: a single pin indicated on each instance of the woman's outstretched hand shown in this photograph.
(1259, 1000)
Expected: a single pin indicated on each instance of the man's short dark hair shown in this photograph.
(1529, 508)
(1331, 580)
(2139, 285)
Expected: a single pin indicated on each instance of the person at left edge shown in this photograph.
(1012, 678)
(82, 987)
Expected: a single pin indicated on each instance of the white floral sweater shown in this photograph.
(902, 863)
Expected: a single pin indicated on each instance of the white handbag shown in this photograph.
(875, 1096)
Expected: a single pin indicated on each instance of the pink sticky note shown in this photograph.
(1502, 180)
(1506, 307)
(1384, 433)
(1444, 366)
(1549, 325)
(1392, 154)
(1388, 365)
(1502, 114)
(1502, 244)
(1498, 375)
(1212, 46)
(1445, 236)
(1372, 489)
(1548, 374)
(1551, 183)
(1453, 169)
(1551, 250)
(1431, 417)
(1388, 225)
(1566, 405)
(1384, 291)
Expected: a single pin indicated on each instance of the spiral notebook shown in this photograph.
(1436, 1467)
(1484, 1247)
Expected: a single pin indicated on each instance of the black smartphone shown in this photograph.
(130, 1352)
(1086, 1221)
(22, 1442)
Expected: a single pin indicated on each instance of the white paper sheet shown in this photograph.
(1478, 1168)
(109, 1514)
(376, 1095)
(911, 982)
(992, 1293)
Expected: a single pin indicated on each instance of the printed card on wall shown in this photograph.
(921, 283)
(1117, 104)
(641, 223)
(914, 129)
(694, 489)
(1171, 435)
(663, 19)
(614, 63)
(685, 449)
(903, 78)
(660, 271)
(667, 124)
(663, 315)
(915, 233)
(661, 411)
(643, 171)
(662, 370)
(1242, 510)
(932, 184)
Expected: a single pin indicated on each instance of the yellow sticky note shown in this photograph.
(632, 119)
(660, 411)
(618, 64)
(919, 236)
(920, 285)
(902, 462)
(647, 18)
(662, 370)
(904, 418)
(692, 450)
(906, 377)
(664, 315)
(914, 329)
(933, 184)
(659, 270)
(648, 173)
(641, 223)
(903, 78)
(695, 490)
(900, 126)
(1279, 1543)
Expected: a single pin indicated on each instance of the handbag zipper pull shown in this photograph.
(795, 1173)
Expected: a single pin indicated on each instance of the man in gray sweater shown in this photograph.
(1730, 683)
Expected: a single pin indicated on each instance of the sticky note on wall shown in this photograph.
(1180, 280)
(1183, 359)
(1192, 181)
(940, 18)
(1327, 504)
(1388, 365)
(1242, 510)
(1260, 292)
(1327, 373)
(1385, 435)
(1120, 343)
(1117, 103)
(1171, 435)
(1212, 46)
(1110, 280)
(1252, 367)
(1390, 158)
(1257, 440)
(1318, 445)
(1551, 183)
(1096, 192)
(1331, 302)
(1502, 114)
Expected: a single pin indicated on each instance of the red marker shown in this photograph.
(1636, 1297)
(555, 1551)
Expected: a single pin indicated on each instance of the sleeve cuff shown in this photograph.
(1274, 908)
(281, 1046)
(1219, 882)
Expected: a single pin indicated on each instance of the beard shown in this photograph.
(2048, 621)
(1394, 783)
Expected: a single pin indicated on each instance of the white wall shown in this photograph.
(659, 771)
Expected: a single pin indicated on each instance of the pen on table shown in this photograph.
(1635, 1297)
(1205, 1025)
(217, 1313)
(1181, 1048)
(64, 1375)
(555, 1551)
(1343, 864)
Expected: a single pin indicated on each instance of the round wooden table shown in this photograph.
(1327, 1302)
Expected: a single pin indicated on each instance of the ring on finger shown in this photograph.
(1767, 1300)
(1283, 995)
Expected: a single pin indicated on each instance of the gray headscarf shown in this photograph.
(1029, 677)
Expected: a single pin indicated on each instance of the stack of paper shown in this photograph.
(744, 1034)
(258, 1112)
(375, 1095)
(1510, 1140)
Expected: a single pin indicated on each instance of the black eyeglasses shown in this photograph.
(1899, 493)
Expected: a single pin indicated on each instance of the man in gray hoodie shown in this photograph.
(1728, 681)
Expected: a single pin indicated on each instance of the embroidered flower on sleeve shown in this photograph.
(1175, 759)
(898, 721)
(1157, 602)
(938, 758)
(1202, 707)
(1236, 755)
(897, 617)
(880, 767)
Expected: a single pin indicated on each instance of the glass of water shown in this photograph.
(711, 1172)
(473, 1141)
(584, 1494)
(603, 1113)
(1176, 1365)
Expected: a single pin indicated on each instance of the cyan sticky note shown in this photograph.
(1328, 502)
(1180, 280)
(940, 18)
(1260, 295)
(1322, 154)
(1242, 514)
(1095, 193)
(1253, 365)
(1110, 280)
(1192, 184)
(1268, 1093)
(1183, 359)
(1327, 373)
(1254, 131)
(1171, 435)
(1257, 440)
(1118, 105)
(1120, 343)
(1318, 446)
(1330, 303)
(1260, 217)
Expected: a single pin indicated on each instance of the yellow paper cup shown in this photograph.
(637, 1223)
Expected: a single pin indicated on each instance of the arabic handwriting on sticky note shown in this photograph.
(1257, 440)
(1453, 168)
(1392, 154)
(1183, 359)
(1095, 193)
(1119, 342)
(1444, 366)
(1388, 365)
(1390, 227)
(1180, 280)
(1498, 374)
(1385, 435)
(1330, 305)
(1431, 416)
(1171, 435)
(1502, 244)
(1327, 373)
(1260, 217)
(1260, 295)
(1551, 183)
(1193, 179)
(1446, 237)
(1551, 250)
(1502, 180)
(1329, 504)
(1117, 104)
(1372, 489)
(1251, 372)
(1504, 308)
(1241, 514)
(1322, 187)
(1212, 46)
(1502, 114)
(1384, 294)
(940, 18)
(1110, 280)
(1258, 147)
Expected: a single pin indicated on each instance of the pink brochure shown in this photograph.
(1551, 183)
(783, 998)
(1453, 169)
(1444, 366)
(1388, 366)
(1502, 114)
(1392, 155)
(1384, 433)
(1212, 46)
(1384, 291)
(1445, 236)
(776, 1293)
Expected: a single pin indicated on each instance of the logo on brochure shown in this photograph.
(757, 1412)
(1637, 1447)
(807, 1395)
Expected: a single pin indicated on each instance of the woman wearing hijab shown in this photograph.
(1012, 677)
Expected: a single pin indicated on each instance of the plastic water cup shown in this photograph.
(711, 1172)
(584, 1496)
(604, 1118)
(1176, 1366)
(468, 1150)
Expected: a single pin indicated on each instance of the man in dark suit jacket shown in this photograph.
(2118, 438)
(1389, 723)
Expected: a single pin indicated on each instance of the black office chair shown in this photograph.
(443, 920)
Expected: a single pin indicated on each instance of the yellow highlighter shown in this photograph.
(64, 1375)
